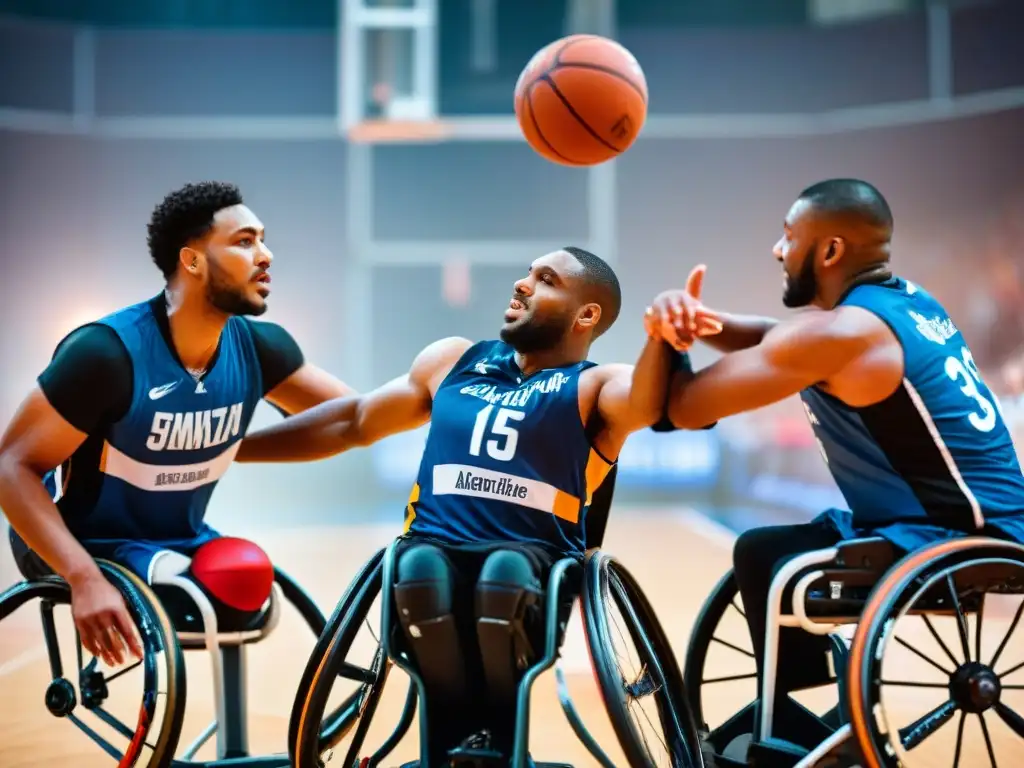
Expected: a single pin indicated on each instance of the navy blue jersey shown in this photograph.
(507, 456)
(937, 451)
(144, 481)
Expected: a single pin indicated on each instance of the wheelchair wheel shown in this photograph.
(723, 604)
(310, 733)
(607, 585)
(163, 672)
(952, 579)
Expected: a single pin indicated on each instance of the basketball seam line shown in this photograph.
(600, 68)
(536, 126)
(574, 113)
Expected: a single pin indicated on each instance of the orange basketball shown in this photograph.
(581, 100)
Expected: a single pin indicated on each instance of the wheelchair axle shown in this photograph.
(60, 698)
(975, 687)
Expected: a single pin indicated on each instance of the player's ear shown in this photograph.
(588, 316)
(191, 260)
(835, 247)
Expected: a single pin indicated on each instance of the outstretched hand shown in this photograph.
(679, 317)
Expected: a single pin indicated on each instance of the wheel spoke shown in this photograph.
(959, 739)
(1014, 721)
(727, 679)
(978, 619)
(124, 671)
(988, 740)
(1006, 638)
(1011, 670)
(914, 650)
(737, 608)
(736, 648)
(911, 684)
(927, 725)
(939, 640)
(961, 619)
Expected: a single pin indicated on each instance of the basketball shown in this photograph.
(581, 100)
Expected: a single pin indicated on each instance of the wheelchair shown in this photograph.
(864, 582)
(599, 582)
(180, 619)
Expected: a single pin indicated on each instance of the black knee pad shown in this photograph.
(424, 596)
(508, 602)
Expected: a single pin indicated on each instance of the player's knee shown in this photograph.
(424, 584)
(754, 553)
(508, 594)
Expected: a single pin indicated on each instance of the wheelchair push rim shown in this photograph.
(606, 582)
(163, 674)
(974, 682)
(311, 733)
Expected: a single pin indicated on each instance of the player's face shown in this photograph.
(795, 251)
(543, 306)
(238, 260)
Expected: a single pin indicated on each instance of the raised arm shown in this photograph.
(796, 354)
(337, 425)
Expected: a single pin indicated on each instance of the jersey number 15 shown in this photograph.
(499, 450)
(964, 372)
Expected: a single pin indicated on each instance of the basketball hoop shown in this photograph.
(398, 131)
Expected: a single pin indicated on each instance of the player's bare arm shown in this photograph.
(627, 398)
(403, 404)
(309, 386)
(37, 440)
(830, 349)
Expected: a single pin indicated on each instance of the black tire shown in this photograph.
(917, 572)
(606, 581)
(310, 733)
(701, 637)
(162, 663)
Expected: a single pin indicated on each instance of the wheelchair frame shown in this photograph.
(307, 740)
(891, 592)
(227, 652)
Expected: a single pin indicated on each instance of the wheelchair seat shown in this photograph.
(172, 615)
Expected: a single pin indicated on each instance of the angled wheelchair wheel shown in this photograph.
(151, 734)
(644, 696)
(963, 675)
(311, 733)
(722, 624)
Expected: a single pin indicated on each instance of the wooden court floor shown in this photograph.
(676, 556)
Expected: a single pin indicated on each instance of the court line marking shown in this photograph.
(22, 660)
(707, 527)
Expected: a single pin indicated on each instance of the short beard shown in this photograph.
(227, 298)
(802, 289)
(536, 335)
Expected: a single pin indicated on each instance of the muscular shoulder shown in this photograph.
(89, 379)
(436, 361)
(838, 333)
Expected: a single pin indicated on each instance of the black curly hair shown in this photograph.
(184, 215)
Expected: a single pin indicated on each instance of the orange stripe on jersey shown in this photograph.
(568, 506)
(410, 510)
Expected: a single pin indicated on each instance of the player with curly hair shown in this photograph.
(117, 450)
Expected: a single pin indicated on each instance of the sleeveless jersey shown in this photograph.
(507, 457)
(145, 482)
(935, 452)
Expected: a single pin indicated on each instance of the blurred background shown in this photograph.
(376, 140)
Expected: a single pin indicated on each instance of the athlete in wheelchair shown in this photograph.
(916, 442)
(108, 466)
(522, 432)
(474, 627)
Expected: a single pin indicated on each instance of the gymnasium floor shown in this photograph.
(683, 543)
